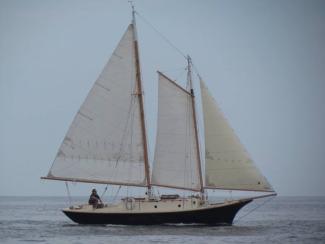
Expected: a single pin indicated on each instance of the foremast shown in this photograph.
(139, 93)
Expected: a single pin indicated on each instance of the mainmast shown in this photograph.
(139, 93)
(190, 83)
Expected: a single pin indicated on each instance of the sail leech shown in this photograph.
(227, 164)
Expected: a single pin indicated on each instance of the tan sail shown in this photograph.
(104, 143)
(227, 164)
(175, 161)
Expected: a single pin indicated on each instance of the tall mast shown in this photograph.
(189, 80)
(140, 96)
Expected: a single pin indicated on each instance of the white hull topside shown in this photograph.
(146, 205)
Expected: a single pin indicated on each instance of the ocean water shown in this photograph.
(282, 220)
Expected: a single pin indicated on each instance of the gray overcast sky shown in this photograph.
(264, 61)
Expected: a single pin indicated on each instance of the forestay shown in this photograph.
(104, 142)
(175, 160)
(227, 164)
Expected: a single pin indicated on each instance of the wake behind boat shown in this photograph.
(107, 144)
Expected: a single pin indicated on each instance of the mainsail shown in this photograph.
(227, 164)
(175, 160)
(104, 143)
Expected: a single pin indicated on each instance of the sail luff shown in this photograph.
(104, 142)
(140, 96)
(189, 77)
(175, 160)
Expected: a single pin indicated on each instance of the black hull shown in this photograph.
(218, 215)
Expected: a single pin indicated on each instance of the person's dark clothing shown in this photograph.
(94, 199)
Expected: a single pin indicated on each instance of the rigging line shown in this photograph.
(127, 124)
(118, 190)
(131, 134)
(180, 74)
(104, 192)
(168, 70)
(195, 69)
(125, 131)
(257, 207)
(68, 191)
(161, 35)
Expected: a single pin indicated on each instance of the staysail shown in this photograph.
(227, 164)
(104, 143)
(175, 160)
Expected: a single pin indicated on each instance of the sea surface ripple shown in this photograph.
(282, 220)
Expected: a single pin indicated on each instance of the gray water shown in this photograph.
(282, 220)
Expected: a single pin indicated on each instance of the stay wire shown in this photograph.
(161, 35)
(257, 207)
(195, 69)
(101, 197)
(68, 192)
(118, 190)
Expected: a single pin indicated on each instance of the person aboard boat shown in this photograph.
(95, 200)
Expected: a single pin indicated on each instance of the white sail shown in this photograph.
(175, 162)
(227, 164)
(104, 142)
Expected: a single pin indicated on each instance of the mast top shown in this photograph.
(132, 5)
(189, 62)
(189, 74)
(133, 11)
(133, 21)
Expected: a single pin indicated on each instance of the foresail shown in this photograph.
(104, 142)
(175, 161)
(227, 164)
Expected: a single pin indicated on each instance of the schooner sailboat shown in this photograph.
(107, 144)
